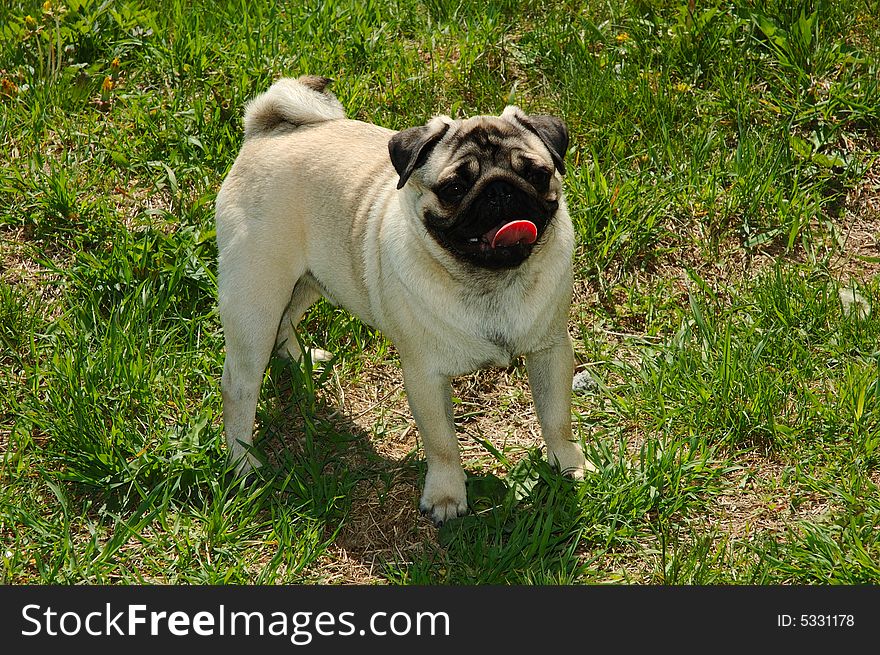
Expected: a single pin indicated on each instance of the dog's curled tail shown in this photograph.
(300, 101)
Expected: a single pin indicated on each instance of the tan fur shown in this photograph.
(311, 208)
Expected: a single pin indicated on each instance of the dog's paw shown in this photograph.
(290, 350)
(246, 463)
(444, 510)
(320, 356)
(444, 497)
(569, 459)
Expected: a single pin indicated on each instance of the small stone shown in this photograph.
(584, 383)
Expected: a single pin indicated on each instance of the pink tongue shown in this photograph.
(515, 232)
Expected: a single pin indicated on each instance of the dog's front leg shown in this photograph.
(430, 399)
(550, 374)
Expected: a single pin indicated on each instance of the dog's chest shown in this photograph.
(500, 348)
(485, 339)
(456, 326)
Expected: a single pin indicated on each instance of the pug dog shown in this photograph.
(452, 238)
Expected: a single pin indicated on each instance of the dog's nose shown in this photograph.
(499, 193)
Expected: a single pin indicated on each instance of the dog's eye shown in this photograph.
(539, 178)
(452, 191)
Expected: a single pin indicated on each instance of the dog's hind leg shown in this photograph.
(304, 295)
(252, 298)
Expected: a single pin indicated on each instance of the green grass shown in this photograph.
(722, 179)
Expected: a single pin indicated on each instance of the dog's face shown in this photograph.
(487, 186)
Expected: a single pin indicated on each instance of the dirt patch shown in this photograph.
(758, 500)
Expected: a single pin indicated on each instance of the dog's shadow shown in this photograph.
(364, 484)
(366, 496)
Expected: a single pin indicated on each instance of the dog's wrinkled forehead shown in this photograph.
(488, 139)
(486, 142)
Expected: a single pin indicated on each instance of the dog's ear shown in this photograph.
(551, 130)
(410, 148)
